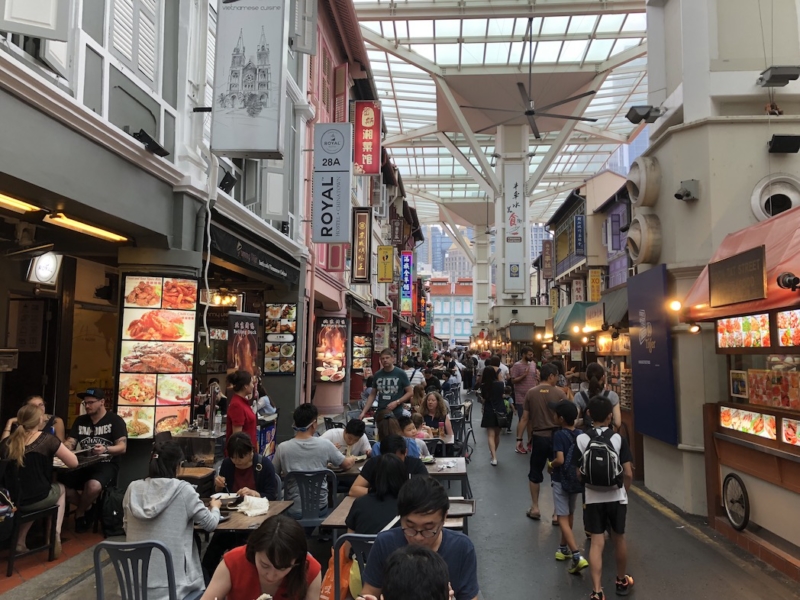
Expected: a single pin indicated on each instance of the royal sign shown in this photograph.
(333, 174)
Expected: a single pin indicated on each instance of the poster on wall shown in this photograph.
(515, 224)
(330, 359)
(155, 377)
(367, 155)
(243, 342)
(766, 387)
(280, 339)
(362, 352)
(651, 356)
(249, 82)
(333, 175)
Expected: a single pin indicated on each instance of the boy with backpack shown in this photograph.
(604, 463)
(566, 485)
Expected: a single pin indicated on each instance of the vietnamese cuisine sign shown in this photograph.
(367, 159)
(515, 279)
(406, 280)
(249, 82)
(362, 246)
(333, 174)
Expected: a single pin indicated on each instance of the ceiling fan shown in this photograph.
(530, 112)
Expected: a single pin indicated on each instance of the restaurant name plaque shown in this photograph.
(740, 278)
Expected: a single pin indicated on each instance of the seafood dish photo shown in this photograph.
(144, 294)
(179, 293)
(167, 325)
(138, 421)
(175, 420)
(157, 357)
(137, 389)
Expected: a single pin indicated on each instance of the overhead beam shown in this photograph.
(589, 68)
(463, 179)
(553, 192)
(447, 95)
(602, 134)
(400, 139)
(623, 57)
(450, 9)
(400, 52)
(450, 224)
(542, 213)
(476, 175)
(505, 39)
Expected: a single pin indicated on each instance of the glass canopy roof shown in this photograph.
(410, 42)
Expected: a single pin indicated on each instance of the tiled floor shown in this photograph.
(30, 566)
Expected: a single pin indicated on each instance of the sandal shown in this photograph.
(518, 451)
(533, 516)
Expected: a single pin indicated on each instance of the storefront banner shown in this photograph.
(362, 352)
(243, 341)
(385, 264)
(397, 231)
(578, 291)
(595, 285)
(386, 318)
(249, 84)
(554, 300)
(516, 228)
(280, 343)
(596, 316)
(367, 157)
(740, 278)
(655, 412)
(330, 359)
(406, 282)
(580, 235)
(232, 246)
(362, 245)
(333, 174)
(547, 259)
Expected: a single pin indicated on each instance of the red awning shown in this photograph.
(780, 236)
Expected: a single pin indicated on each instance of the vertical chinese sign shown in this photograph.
(595, 284)
(367, 155)
(547, 259)
(515, 223)
(406, 279)
(362, 245)
(580, 235)
(385, 264)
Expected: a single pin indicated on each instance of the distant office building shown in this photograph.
(424, 249)
(456, 263)
(452, 308)
(440, 244)
(538, 234)
(620, 162)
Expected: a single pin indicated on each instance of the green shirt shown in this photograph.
(389, 387)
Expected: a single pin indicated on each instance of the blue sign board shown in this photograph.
(406, 279)
(654, 409)
(580, 235)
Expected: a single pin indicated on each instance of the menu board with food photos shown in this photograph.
(362, 352)
(779, 389)
(751, 331)
(747, 421)
(330, 359)
(156, 364)
(790, 432)
(789, 328)
(280, 339)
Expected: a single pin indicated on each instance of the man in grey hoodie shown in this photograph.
(164, 508)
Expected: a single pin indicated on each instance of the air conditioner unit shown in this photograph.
(380, 204)
(391, 193)
(303, 36)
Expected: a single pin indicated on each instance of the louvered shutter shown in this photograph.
(304, 27)
(134, 35)
(341, 76)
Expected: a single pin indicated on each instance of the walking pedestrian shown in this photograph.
(524, 376)
(596, 377)
(492, 391)
(605, 506)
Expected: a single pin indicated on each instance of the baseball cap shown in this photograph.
(94, 393)
(564, 409)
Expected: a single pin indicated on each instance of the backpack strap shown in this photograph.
(608, 434)
(50, 423)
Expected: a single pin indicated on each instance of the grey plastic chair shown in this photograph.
(131, 561)
(353, 414)
(462, 448)
(280, 486)
(309, 488)
(434, 445)
(360, 545)
(331, 424)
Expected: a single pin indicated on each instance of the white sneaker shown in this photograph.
(494, 462)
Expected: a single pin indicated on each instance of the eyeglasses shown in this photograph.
(410, 532)
(88, 402)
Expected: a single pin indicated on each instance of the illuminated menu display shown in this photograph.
(154, 391)
(746, 421)
(330, 358)
(779, 389)
(280, 348)
(362, 353)
(751, 331)
(789, 329)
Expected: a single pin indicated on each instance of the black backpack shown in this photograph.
(112, 512)
(570, 482)
(587, 419)
(600, 466)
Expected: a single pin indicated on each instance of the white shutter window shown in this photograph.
(304, 27)
(56, 56)
(123, 28)
(146, 56)
(274, 200)
(135, 36)
(46, 19)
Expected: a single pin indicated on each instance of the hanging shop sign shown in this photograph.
(333, 174)
(249, 85)
(516, 228)
(330, 357)
(651, 356)
(596, 316)
(406, 282)
(280, 339)
(386, 315)
(381, 337)
(367, 157)
(740, 278)
(547, 259)
(578, 291)
(397, 231)
(385, 264)
(232, 246)
(554, 297)
(362, 245)
(595, 285)
(243, 342)
(362, 353)
(156, 364)
(548, 328)
(580, 235)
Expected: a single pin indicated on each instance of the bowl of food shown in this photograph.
(173, 423)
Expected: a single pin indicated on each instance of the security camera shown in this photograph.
(689, 190)
(789, 281)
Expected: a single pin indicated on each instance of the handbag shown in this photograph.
(502, 419)
(327, 588)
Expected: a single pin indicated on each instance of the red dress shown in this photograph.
(240, 414)
(244, 576)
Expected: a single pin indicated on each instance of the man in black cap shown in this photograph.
(101, 433)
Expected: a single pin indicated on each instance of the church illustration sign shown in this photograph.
(249, 84)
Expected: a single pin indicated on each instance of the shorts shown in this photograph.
(104, 473)
(564, 503)
(520, 409)
(541, 452)
(599, 517)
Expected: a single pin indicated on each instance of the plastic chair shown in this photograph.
(434, 445)
(360, 545)
(309, 487)
(461, 446)
(331, 424)
(131, 561)
(280, 486)
(353, 414)
(21, 517)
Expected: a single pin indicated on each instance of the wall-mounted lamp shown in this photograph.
(63, 221)
(150, 144)
(576, 329)
(227, 183)
(585, 340)
(789, 281)
(778, 76)
(675, 306)
(694, 328)
(646, 113)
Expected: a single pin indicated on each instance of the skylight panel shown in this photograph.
(573, 51)
(610, 23)
(497, 53)
(623, 44)
(501, 27)
(447, 54)
(554, 25)
(472, 54)
(582, 24)
(420, 29)
(402, 30)
(547, 52)
(424, 50)
(599, 50)
(635, 22)
(372, 26)
(448, 27)
(474, 27)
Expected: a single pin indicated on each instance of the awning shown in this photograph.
(616, 306)
(363, 306)
(570, 316)
(780, 236)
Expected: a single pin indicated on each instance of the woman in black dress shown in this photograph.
(492, 391)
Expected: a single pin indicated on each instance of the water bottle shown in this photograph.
(441, 429)
(218, 423)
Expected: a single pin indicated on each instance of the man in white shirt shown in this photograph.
(350, 441)
(415, 375)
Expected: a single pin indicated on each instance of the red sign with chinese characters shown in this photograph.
(362, 245)
(386, 315)
(367, 146)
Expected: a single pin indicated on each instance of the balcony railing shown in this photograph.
(569, 262)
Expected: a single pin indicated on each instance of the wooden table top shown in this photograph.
(241, 522)
(459, 468)
(336, 520)
(84, 460)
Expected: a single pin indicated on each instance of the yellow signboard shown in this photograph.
(595, 284)
(385, 264)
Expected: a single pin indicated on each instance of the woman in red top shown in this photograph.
(240, 412)
(275, 561)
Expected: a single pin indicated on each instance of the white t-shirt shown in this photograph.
(336, 436)
(417, 378)
(614, 494)
(504, 371)
(423, 448)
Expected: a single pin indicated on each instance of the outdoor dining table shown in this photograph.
(239, 521)
(436, 469)
(84, 460)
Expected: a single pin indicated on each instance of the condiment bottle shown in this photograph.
(441, 429)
